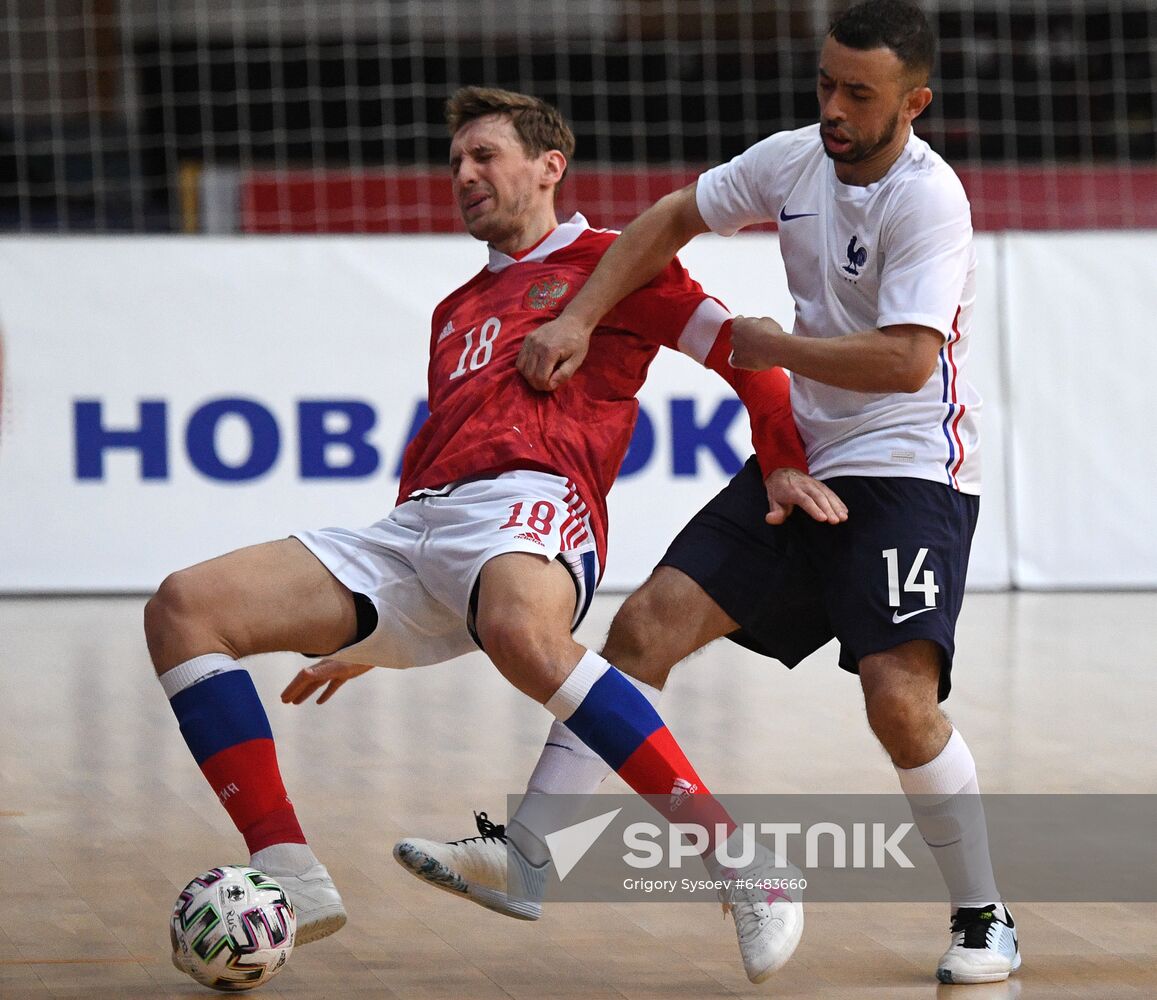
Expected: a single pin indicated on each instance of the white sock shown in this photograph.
(946, 805)
(200, 668)
(570, 694)
(566, 766)
(283, 859)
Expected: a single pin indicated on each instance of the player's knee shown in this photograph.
(634, 642)
(533, 656)
(171, 614)
(501, 638)
(628, 637)
(898, 715)
(161, 610)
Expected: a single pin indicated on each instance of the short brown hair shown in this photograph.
(540, 127)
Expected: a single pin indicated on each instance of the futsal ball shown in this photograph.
(232, 928)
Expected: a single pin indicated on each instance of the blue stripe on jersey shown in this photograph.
(951, 446)
(614, 718)
(589, 582)
(219, 713)
(944, 377)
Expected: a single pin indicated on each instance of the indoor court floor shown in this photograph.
(104, 816)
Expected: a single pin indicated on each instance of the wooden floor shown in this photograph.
(103, 816)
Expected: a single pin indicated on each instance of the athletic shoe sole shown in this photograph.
(431, 871)
(320, 927)
(951, 978)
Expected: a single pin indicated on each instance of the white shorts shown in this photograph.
(419, 565)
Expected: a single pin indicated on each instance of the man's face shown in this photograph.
(866, 106)
(497, 187)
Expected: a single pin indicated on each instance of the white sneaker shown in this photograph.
(984, 947)
(316, 902)
(487, 869)
(768, 915)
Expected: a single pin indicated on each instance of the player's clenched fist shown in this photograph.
(753, 342)
(552, 353)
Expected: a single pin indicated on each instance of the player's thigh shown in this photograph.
(759, 575)
(263, 598)
(666, 620)
(422, 567)
(533, 513)
(904, 677)
(525, 604)
(400, 623)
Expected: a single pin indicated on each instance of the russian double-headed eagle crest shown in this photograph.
(546, 293)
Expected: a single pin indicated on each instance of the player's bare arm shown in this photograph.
(551, 354)
(893, 359)
(330, 673)
(788, 488)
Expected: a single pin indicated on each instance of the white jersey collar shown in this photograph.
(563, 235)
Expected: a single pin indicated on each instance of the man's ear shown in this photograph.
(554, 167)
(917, 100)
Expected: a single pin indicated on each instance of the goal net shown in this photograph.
(282, 116)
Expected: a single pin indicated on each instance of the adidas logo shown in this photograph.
(530, 536)
(680, 790)
(446, 331)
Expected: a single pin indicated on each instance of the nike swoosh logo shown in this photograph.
(897, 617)
(784, 217)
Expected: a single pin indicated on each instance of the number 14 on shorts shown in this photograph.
(914, 583)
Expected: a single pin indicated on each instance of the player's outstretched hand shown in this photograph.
(551, 354)
(332, 673)
(753, 342)
(790, 488)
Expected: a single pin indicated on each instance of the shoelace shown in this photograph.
(749, 919)
(486, 830)
(974, 922)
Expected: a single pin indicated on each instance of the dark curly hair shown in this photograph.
(899, 25)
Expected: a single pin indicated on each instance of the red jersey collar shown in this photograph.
(563, 235)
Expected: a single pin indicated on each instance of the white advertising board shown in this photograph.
(169, 399)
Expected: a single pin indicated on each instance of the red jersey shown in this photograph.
(485, 418)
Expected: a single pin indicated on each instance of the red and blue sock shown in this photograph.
(611, 716)
(226, 729)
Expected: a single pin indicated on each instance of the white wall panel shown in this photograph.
(1082, 358)
(180, 325)
(988, 568)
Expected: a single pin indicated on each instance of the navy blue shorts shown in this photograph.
(893, 572)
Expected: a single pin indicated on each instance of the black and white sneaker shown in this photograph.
(984, 947)
(488, 870)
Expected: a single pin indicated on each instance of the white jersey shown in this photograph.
(896, 251)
